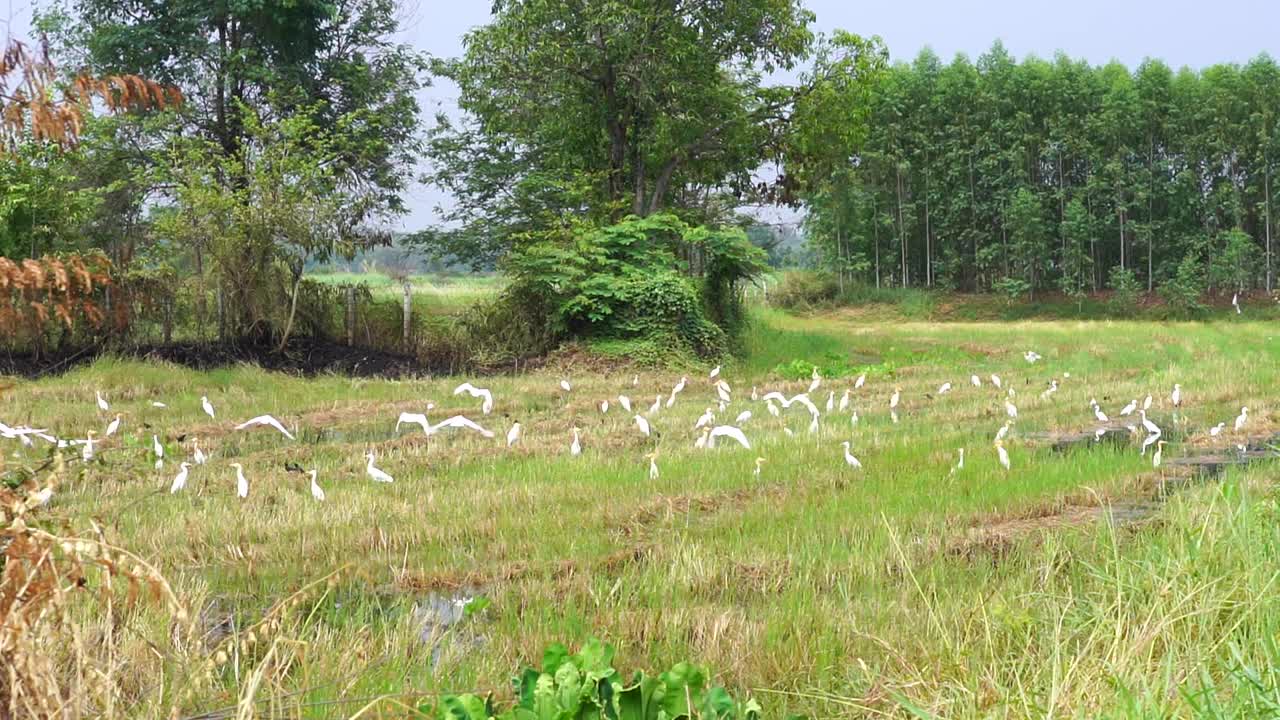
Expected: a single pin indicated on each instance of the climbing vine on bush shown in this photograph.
(643, 278)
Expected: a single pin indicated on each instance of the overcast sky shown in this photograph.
(1181, 32)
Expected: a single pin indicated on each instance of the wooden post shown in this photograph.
(408, 311)
(351, 316)
(168, 321)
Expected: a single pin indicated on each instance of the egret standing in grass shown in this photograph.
(113, 426)
(1097, 412)
(653, 465)
(158, 450)
(242, 484)
(625, 402)
(317, 492)
(180, 480)
(198, 456)
(995, 380)
(1158, 454)
(862, 380)
(575, 448)
(642, 424)
(1010, 409)
(102, 403)
(86, 452)
(1242, 419)
(977, 382)
(208, 407)
(1003, 455)
(1216, 430)
(844, 400)
(376, 474)
(849, 459)
(513, 435)
(1128, 409)
(1176, 396)
(759, 464)
(959, 463)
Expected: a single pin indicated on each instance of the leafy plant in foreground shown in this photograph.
(586, 685)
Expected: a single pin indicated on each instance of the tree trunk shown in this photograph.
(351, 316)
(293, 311)
(408, 310)
(902, 230)
(928, 240)
(875, 234)
(1266, 208)
(839, 259)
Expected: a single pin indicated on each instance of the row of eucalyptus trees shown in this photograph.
(1057, 174)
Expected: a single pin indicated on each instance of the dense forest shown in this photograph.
(1023, 176)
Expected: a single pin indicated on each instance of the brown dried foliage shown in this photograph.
(33, 104)
(62, 290)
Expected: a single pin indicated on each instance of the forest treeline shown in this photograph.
(1057, 175)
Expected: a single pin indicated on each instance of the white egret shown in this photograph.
(643, 425)
(265, 420)
(113, 426)
(893, 415)
(635, 380)
(575, 448)
(86, 452)
(1031, 355)
(1053, 388)
(414, 419)
(653, 465)
(944, 388)
(565, 386)
(759, 464)
(458, 422)
(1146, 404)
(1235, 302)
(1097, 412)
(513, 435)
(376, 474)
(1003, 455)
(701, 442)
(1010, 409)
(625, 402)
(242, 484)
(743, 416)
(158, 451)
(180, 480)
(707, 418)
(208, 407)
(1150, 426)
(158, 404)
(486, 405)
(656, 406)
(1004, 430)
(849, 459)
(715, 372)
(817, 380)
(1097, 434)
(773, 409)
(844, 400)
(102, 403)
(894, 398)
(1128, 409)
(959, 463)
(831, 401)
(813, 424)
(1176, 396)
(604, 407)
(679, 388)
(1216, 430)
(728, 431)
(977, 382)
(755, 395)
(723, 391)
(1158, 454)
(995, 380)
(862, 380)
(317, 492)
(199, 454)
(853, 419)
(1242, 419)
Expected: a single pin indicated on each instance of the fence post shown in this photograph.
(351, 316)
(408, 310)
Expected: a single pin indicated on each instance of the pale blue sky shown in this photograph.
(1181, 32)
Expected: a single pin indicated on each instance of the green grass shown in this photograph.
(434, 294)
(895, 591)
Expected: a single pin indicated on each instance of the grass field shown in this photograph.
(436, 294)
(899, 590)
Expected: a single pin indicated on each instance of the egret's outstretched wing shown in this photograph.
(415, 419)
(459, 422)
(265, 420)
(728, 431)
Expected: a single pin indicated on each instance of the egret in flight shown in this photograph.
(730, 432)
(265, 420)
(459, 422)
(414, 419)
(486, 406)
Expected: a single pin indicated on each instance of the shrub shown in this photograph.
(1182, 292)
(1125, 285)
(805, 290)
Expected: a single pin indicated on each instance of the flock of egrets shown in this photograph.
(705, 431)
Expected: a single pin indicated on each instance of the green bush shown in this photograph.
(804, 291)
(641, 278)
(586, 685)
(1182, 292)
(1125, 285)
